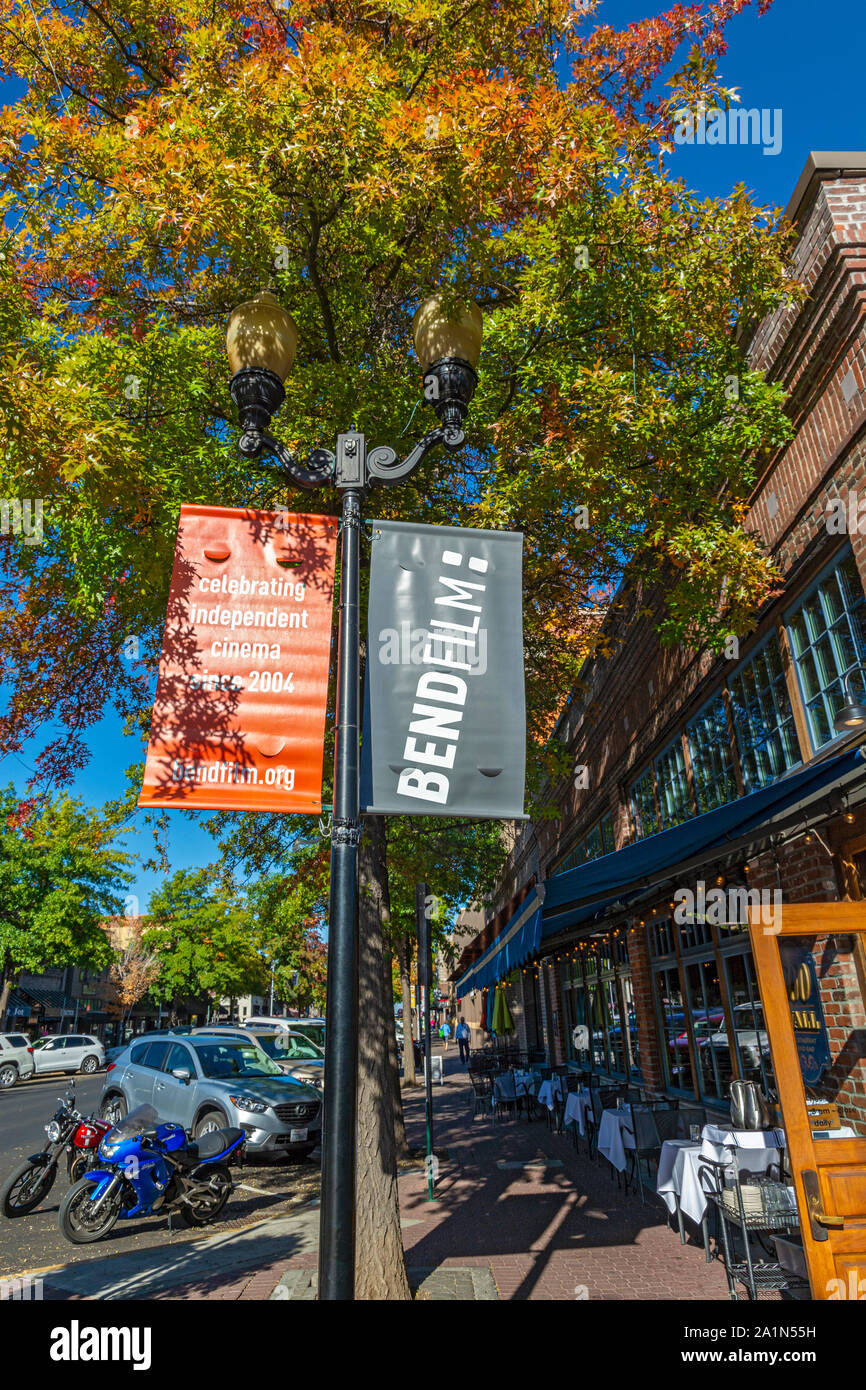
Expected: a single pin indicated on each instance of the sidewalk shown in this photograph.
(557, 1229)
(517, 1215)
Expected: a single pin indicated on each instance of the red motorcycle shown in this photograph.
(69, 1131)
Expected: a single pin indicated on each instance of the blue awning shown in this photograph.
(517, 942)
(578, 894)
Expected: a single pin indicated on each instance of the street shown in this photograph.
(34, 1242)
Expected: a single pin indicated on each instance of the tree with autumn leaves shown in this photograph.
(168, 161)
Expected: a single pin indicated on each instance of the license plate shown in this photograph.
(297, 1136)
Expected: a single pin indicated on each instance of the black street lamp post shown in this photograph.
(262, 339)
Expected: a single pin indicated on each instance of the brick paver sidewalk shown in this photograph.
(518, 1215)
(557, 1229)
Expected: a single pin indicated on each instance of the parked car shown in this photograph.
(752, 1039)
(69, 1052)
(705, 1025)
(16, 1059)
(312, 1028)
(291, 1051)
(207, 1082)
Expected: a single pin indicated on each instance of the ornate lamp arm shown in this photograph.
(314, 472)
(258, 394)
(382, 461)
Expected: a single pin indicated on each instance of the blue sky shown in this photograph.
(799, 59)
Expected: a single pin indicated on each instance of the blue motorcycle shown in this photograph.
(147, 1167)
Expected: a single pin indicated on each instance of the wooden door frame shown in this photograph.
(800, 919)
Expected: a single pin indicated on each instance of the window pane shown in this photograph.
(671, 1013)
(710, 752)
(646, 821)
(827, 636)
(763, 719)
(673, 787)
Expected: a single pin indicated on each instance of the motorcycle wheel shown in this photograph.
(26, 1188)
(217, 1187)
(75, 1220)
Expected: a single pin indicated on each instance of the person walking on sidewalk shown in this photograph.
(445, 1034)
(462, 1035)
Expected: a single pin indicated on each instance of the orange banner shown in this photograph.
(239, 716)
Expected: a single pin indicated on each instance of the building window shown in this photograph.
(643, 806)
(828, 639)
(763, 719)
(597, 842)
(699, 1016)
(675, 799)
(710, 751)
(597, 994)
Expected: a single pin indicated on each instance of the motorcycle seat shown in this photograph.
(208, 1146)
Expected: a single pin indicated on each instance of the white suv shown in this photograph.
(71, 1052)
(16, 1059)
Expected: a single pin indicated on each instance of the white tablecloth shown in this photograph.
(525, 1083)
(716, 1136)
(679, 1165)
(613, 1138)
(678, 1177)
(549, 1092)
(577, 1107)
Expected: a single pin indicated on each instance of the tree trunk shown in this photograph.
(380, 1268)
(404, 956)
(5, 991)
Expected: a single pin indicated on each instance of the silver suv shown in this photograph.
(16, 1059)
(205, 1082)
(291, 1051)
(68, 1052)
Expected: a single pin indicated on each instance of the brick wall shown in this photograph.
(845, 1018)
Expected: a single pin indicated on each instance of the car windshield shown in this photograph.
(224, 1060)
(136, 1122)
(314, 1032)
(283, 1047)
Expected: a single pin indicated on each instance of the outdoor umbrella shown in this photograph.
(502, 1020)
(484, 1024)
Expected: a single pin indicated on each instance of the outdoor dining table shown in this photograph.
(551, 1092)
(577, 1107)
(525, 1082)
(679, 1186)
(614, 1135)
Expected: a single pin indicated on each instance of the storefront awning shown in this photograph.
(578, 894)
(517, 942)
(45, 998)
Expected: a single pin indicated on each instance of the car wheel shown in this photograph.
(113, 1109)
(208, 1122)
(8, 1076)
(89, 1065)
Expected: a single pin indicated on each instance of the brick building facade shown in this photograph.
(671, 737)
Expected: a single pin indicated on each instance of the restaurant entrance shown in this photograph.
(812, 977)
